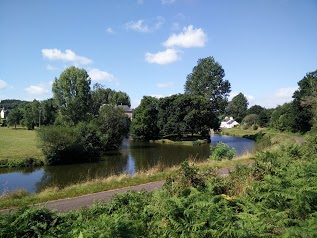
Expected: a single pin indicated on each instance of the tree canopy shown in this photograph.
(238, 107)
(207, 79)
(72, 95)
(174, 115)
(305, 102)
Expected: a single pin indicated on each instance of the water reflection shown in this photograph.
(132, 157)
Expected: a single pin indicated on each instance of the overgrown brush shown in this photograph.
(276, 197)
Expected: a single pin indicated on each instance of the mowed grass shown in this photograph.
(18, 145)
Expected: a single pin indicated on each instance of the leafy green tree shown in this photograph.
(48, 112)
(207, 79)
(144, 124)
(183, 113)
(113, 126)
(250, 120)
(31, 115)
(14, 117)
(237, 107)
(102, 96)
(306, 103)
(284, 118)
(263, 114)
(72, 95)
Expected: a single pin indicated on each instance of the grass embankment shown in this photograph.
(19, 148)
(276, 137)
(22, 198)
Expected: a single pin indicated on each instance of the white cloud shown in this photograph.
(145, 25)
(3, 84)
(98, 75)
(139, 26)
(37, 90)
(110, 30)
(163, 57)
(165, 85)
(167, 1)
(281, 96)
(190, 37)
(69, 55)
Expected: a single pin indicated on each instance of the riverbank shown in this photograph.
(276, 136)
(20, 198)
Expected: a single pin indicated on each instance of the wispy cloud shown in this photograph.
(37, 90)
(99, 75)
(68, 55)
(164, 2)
(3, 84)
(190, 37)
(281, 96)
(165, 85)
(145, 26)
(109, 30)
(163, 57)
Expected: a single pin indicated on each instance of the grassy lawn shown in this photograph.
(18, 147)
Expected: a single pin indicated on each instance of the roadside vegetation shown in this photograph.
(276, 197)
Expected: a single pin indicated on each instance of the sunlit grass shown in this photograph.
(18, 145)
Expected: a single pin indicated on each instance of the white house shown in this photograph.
(3, 113)
(228, 123)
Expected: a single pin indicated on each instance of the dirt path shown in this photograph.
(67, 204)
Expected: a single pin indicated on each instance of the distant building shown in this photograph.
(228, 123)
(127, 110)
(3, 113)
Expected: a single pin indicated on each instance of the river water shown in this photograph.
(132, 157)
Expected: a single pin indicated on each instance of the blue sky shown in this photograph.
(148, 47)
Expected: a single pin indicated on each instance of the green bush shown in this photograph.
(222, 151)
(63, 144)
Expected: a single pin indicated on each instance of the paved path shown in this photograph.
(67, 204)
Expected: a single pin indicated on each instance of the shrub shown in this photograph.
(255, 127)
(222, 151)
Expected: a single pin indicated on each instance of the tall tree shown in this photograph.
(306, 103)
(263, 114)
(144, 124)
(48, 112)
(14, 117)
(31, 115)
(238, 107)
(72, 95)
(207, 79)
(284, 117)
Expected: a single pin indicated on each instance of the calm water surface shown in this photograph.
(133, 157)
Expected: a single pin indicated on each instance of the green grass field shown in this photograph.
(18, 147)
